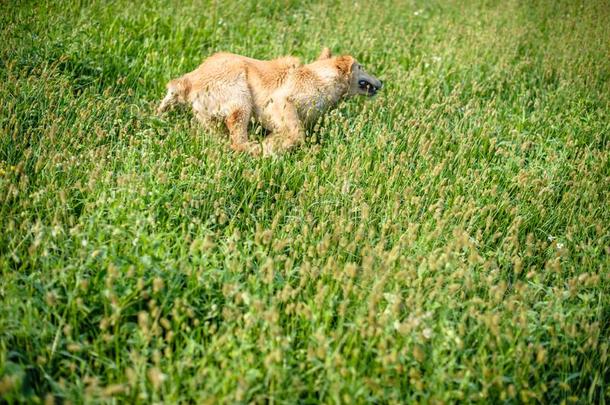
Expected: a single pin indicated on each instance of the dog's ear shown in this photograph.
(344, 64)
(325, 54)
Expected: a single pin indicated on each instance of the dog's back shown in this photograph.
(224, 69)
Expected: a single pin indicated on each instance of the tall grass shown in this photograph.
(446, 241)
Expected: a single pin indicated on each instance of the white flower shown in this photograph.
(427, 333)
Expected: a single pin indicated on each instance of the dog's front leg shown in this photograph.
(237, 124)
(287, 130)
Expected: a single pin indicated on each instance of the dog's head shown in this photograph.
(359, 81)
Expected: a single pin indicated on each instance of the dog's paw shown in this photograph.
(268, 150)
(252, 148)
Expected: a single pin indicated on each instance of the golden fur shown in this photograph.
(282, 94)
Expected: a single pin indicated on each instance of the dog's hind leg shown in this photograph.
(287, 130)
(237, 124)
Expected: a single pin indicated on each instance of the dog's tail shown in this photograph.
(177, 92)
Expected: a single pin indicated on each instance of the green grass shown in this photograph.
(446, 241)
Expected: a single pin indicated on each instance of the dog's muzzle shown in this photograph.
(369, 87)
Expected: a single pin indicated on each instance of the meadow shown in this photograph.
(444, 242)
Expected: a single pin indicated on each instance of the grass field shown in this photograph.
(446, 241)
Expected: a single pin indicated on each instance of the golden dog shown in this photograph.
(282, 94)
